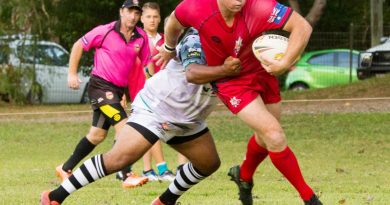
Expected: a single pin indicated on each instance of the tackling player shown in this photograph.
(227, 28)
(170, 109)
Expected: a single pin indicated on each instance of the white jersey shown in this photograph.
(170, 96)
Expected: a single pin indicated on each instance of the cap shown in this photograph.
(132, 4)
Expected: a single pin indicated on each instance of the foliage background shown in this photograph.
(65, 21)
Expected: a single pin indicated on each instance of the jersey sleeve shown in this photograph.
(190, 51)
(270, 13)
(185, 13)
(93, 38)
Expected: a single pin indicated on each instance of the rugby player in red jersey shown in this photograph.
(227, 28)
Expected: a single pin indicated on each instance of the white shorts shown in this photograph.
(154, 127)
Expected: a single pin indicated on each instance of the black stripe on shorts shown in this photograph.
(149, 135)
(182, 139)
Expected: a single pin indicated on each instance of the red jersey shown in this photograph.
(154, 51)
(219, 40)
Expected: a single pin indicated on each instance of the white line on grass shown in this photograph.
(284, 101)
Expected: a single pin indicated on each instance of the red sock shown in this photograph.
(286, 162)
(255, 154)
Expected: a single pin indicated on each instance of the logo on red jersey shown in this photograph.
(238, 46)
(277, 13)
(216, 39)
(235, 101)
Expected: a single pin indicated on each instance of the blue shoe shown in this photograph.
(151, 175)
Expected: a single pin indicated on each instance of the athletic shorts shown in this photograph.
(102, 92)
(153, 127)
(238, 92)
(105, 100)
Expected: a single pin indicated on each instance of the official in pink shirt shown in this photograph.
(117, 45)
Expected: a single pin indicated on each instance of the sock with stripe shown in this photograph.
(83, 148)
(286, 162)
(90, 171)
(255, 154)
(187, 177)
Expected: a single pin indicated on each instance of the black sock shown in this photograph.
(83, 148)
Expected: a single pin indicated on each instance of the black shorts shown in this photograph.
(102, 92)
(105, 100)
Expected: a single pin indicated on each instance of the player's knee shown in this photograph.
(215, 165)
(275, 140)
(211, 166)
(96, 137)
(115, 162)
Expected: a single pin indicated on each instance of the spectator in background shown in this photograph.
(151, 19)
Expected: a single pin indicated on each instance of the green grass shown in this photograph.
(345, 157)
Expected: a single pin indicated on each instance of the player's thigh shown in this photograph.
(100, 126)
(119, 125)
(265, 125)
(129, 147)
(202, 153)
(257, 116)
(275, 109)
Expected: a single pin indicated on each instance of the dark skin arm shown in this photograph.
(200, 74)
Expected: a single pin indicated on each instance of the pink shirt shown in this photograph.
(219, 40)
(114, 57)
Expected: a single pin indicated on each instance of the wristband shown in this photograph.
(168, 48)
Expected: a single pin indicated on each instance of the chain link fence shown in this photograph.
(358, 38)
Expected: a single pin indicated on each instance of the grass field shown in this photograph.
(345, 158)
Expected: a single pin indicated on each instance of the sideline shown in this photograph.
(219, 105)
(335, 100)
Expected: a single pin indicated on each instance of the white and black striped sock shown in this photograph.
(90, 171)
(187, 177)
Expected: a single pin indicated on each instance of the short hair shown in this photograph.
(151, 5)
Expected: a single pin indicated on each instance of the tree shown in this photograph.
(25, 16)
(315, 12)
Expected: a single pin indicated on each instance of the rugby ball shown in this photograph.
(269, 46)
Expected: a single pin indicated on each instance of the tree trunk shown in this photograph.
(295, 6)
(315, 12)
